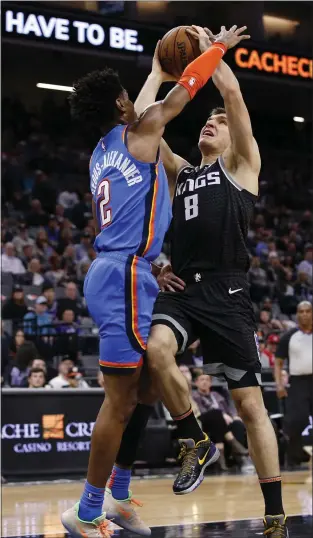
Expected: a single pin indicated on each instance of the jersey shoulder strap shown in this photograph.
(183, 173)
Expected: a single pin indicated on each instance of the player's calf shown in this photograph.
(264, 453)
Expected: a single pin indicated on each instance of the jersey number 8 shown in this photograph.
(191, 207)
(103, 194)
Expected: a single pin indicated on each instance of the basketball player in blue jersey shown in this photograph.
(132, 209)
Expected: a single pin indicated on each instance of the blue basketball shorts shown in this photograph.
(120, 292)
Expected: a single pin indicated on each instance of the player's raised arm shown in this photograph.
(243, 152)
(151, 125)
(172, 163)
(243, 144)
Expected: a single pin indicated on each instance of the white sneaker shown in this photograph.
(124, 514)
(98, 528)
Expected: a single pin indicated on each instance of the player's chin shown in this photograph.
(206, 142)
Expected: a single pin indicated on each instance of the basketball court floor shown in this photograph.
(224, 506)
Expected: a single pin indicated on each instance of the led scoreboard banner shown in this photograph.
(90, 31)
(271, 62)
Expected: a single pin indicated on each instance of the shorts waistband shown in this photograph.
(124, 258)
(194, 277)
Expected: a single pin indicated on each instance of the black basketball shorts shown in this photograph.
(219, 311)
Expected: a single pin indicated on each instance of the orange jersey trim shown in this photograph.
(134, 297)
(153, 211)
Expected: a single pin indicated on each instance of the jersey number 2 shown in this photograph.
(191, 207)
(103, 200)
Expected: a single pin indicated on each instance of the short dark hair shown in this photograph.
(36, 371)
(217, 110)
(93, 98)
(25, 354)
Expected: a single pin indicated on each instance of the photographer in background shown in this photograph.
(295, 346)
(69, 376)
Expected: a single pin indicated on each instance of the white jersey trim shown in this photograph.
(228, 176)
(183, 168)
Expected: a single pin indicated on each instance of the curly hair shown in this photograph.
(92, 101)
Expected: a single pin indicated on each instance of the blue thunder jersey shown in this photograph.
(132, 199)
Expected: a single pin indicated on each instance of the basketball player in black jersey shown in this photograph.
(213, 204)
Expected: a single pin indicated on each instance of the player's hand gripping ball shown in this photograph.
(177, 49)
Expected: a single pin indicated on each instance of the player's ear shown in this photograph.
(121, 105)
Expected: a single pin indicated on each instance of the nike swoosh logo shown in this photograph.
(230, 291)
(201, 462)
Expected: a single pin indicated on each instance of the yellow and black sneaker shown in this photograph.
(275, 526)
(195, 459)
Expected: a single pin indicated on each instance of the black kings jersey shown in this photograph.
(211, 215)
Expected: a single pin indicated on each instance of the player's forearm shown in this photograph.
(238, 118)
(225, 80)
(155, 269)
(148, 93)
(279, 364)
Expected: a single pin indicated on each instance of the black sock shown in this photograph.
(188, 427)
(271, 489)
(132, 435)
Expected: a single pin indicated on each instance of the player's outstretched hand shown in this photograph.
(233, 36)
(157, 68)
(230, 38)
(168, 281)
(201, 35)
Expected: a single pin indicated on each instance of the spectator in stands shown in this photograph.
(68, 198)
(44, 191)
(55, 274)
(275, 272)
(268, 325)
(5, 349)
(66, 239)
(38, 321)
(268, 352)
(53, 231)
(82, 211)
(68, 318)
(81, 250)
(49, 371)
(257, 280)
(16, 373)
(306, 265)
(36, 378)
(17, 341)
(48, 292)
(36, 216)
(33, 277)
(11, 263)
(303, 287)
(82, 270)
(44, 249)
(68, 262)
(71, 301)
(271, 307)
(15, 307)
(22, 239)
(28, 254)
(68, 377)
(219, 418)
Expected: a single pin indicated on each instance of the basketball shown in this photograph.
(177, 49)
